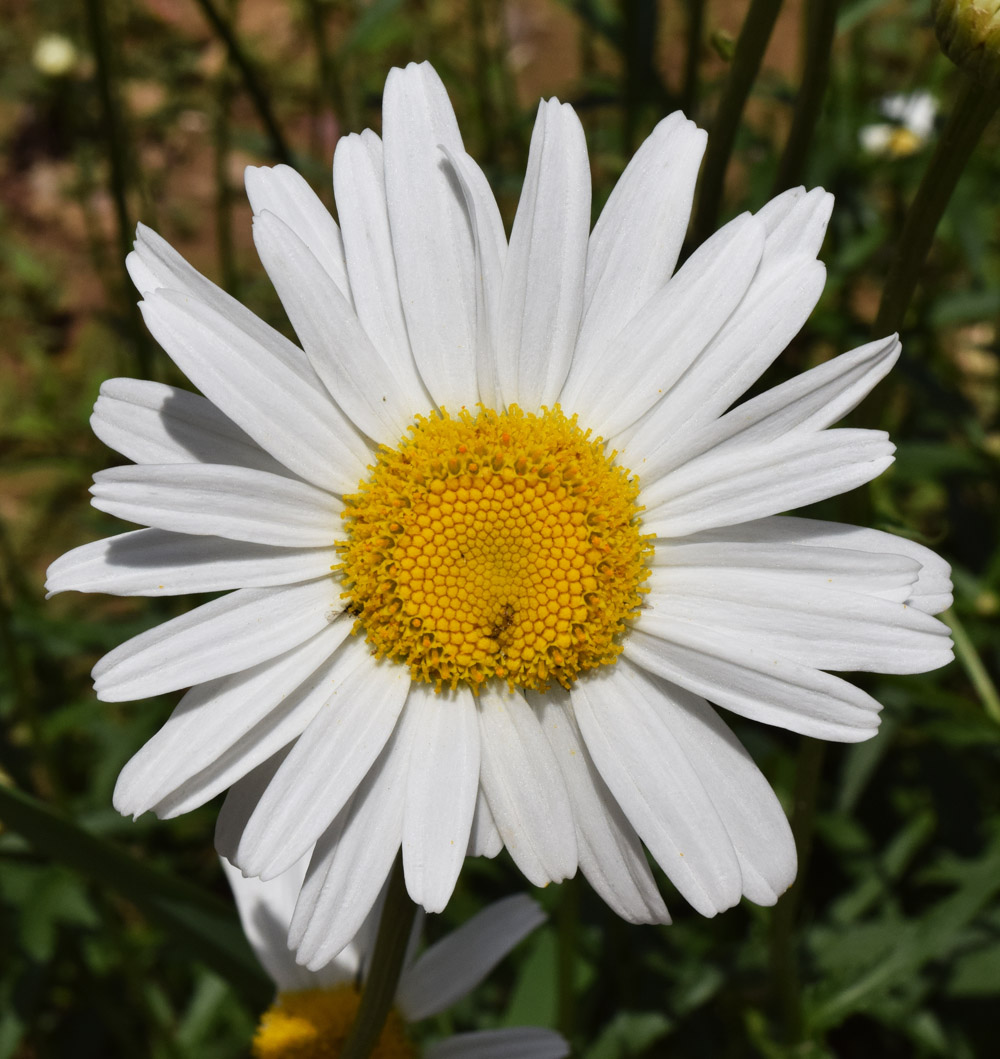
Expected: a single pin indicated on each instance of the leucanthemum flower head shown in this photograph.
(313, 1011)
(498, 530)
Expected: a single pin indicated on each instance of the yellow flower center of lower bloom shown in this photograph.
(500, 544)
(314, 1023)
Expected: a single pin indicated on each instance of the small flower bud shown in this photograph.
(969, 34)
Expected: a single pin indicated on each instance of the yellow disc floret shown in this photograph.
(500, 544)
(314, 1023)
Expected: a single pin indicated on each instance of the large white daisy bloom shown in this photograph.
(314, 1010)
(497, 624)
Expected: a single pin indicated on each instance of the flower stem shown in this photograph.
(977, 673)
(387, 963)
(821, 25)
(971, 114)
(750, 48)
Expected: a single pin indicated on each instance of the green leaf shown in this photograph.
(629, 1033)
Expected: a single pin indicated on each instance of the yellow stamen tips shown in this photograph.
(314, 1023)
(500, 544)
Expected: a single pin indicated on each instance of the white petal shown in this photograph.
(359, 185)
(454, 966)
(430, 233)
(611, 856)
(660, 792)
(513, 1043)
(524, 788)
(441, 787)
(285, 193)
(644, 360)
(796, 222)
(149, 422)
(221, 501)
(719, 489)
(352, 369)
(285, 409)
(813, 624)
(542, 296)
(327, 763)
(223, 636)
(484, 838)
(756, 683)
(748, 807)
(240, 803)
(635, 243)
(152, 562)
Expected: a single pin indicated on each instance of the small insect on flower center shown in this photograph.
(496, 545)
(314, 1024)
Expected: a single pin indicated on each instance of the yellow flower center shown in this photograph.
(501, 544)
(314, 1023)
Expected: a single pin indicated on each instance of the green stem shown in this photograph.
(387, 963)
(977, 673)
(695, 29)
(971, 114)
(568, 925)
(821, 28)
(251, 82)
(750, 48)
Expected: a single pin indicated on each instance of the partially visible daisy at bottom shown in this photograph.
(313, 1011)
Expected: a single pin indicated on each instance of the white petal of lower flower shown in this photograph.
(224, 636)
(611, 856)
(484, 838)
(149, 422)
(287, 412)
(430, 233)
(221, 501)
(637, 238)
(748, 807)
(327, 762)
(756, 682)
(525, 789)
(752, 481)
(441, 787)
(652, 780)
(285, 193)
(515, 1043)
(454, 966)
(152, 562)
(542, 296)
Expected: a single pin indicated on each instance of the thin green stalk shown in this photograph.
(387, 963)
(821, 26)
(251, 82)
(481, 78)
(568, 926)
(331, 89)
(971, 114)
(695, 30)
(750, 48)
(977, 673)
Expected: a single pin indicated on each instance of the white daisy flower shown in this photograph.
(314, 1010)
(497, 534)
(911, 124)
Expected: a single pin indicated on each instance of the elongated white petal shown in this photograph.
(454, 966)
(240, 803)
(431, 240)
(152, 562)
(327, 762)
(149, 422)
(611, 856)
(441, 788)
(286, 410)
(647, 357)
(352, 369)
(752, 814)
(226, 635)
(285, 193)
(757, 480)
(542, 296)
(522, 1042)
(220, 714)
(756, 682)
(220, 501)
(634, 245)
(484, 838)
(663, 797)
(796, 222)
(525, 789)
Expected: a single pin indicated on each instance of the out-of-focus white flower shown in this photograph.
(911, 122)
(314, 1010)
(54, 55)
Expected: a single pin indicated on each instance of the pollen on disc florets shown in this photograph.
(314, 1024)
(500, 544)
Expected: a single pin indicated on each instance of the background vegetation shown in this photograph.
(117, 936)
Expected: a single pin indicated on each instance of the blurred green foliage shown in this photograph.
(889, 944)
